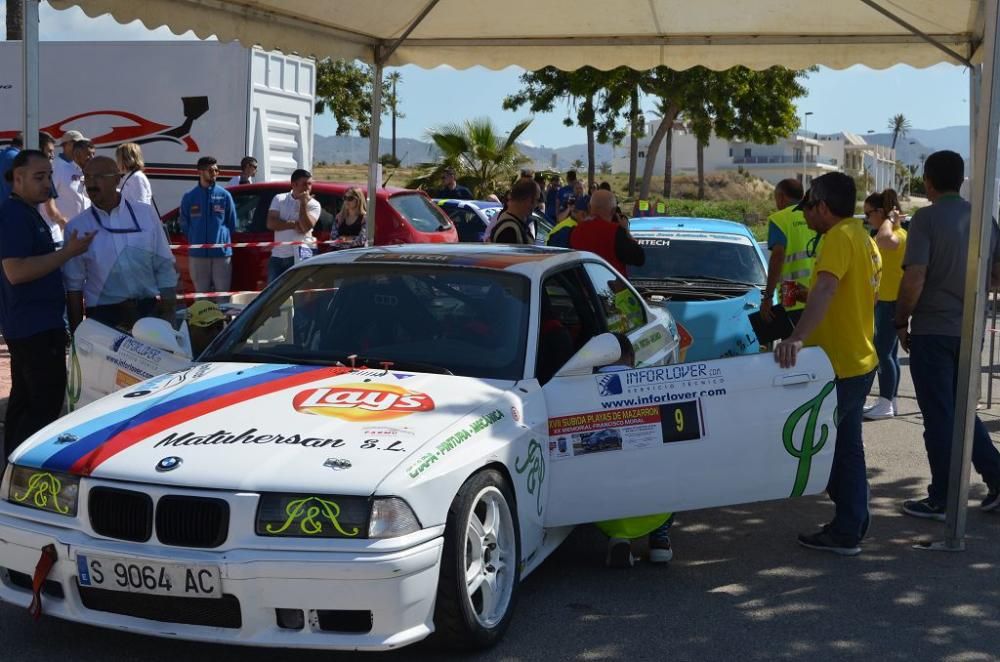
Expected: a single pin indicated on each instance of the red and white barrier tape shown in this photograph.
(214, 295)
(258, 244)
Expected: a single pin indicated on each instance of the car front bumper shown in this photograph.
(398, 588)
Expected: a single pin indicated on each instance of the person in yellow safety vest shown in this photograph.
(791, 244)
(559, 235)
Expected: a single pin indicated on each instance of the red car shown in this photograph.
(403, 216)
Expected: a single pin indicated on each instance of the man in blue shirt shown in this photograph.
(208, 216)
(7, 155)
(452, 189)
(32, 300)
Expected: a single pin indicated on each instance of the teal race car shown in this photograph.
(710, 275)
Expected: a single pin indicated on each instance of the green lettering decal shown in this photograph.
(41, 488)
(309, 512)
(809, 446)
(534, 464)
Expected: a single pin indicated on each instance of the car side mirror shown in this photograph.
(158, 333)
(599, 351)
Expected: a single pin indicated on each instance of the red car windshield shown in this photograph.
(421, 213)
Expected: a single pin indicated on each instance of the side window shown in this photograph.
(623, 311)
(567, 321)
(469, 226)
(246, 206)
(329, 208)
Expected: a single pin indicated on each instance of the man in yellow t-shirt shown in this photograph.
(839, 317)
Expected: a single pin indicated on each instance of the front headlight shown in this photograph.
(44, 490)
(324, 516)
(392, 517)
(312, 516)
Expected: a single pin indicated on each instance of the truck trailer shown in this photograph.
(179, 100)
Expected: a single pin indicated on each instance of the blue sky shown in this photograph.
(856, 99)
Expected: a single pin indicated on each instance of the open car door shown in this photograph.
(687, 436)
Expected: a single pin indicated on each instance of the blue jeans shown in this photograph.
(934, 369)
(848, 486)
(887, 348)
(277, 266)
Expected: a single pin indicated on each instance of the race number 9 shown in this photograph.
(680, 421)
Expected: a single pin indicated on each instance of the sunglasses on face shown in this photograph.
(351, 198)
(868, 214)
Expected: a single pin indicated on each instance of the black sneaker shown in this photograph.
(925, 509)
(992, 500)
(826, 541)
(619, 553)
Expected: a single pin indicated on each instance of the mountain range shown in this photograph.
(354, 149)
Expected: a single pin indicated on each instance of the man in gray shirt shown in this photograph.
(929, 324)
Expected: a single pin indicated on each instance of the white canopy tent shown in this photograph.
(641, 34)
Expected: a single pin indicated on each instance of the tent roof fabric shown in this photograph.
(568, 34)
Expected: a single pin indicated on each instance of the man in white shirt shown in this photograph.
(67, 177)
(128, 265)
(291, 217)
(248, 170)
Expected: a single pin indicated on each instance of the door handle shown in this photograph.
(792, 380)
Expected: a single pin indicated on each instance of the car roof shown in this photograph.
(321, 187)
(478, 204)
(682, 224)
(530, 261)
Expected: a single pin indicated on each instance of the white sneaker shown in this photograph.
(871, 404)
(882, 409)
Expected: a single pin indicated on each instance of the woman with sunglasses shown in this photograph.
(349, 225)
(883, 217)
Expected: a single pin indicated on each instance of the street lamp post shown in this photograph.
(805, 136)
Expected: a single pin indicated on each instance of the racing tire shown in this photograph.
(480, 565)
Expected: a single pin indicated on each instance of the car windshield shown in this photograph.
(700, 256)
(463, 321)
(421, 213)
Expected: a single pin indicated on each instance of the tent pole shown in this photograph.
(916, 31)
(987, 118)
(29, 62)
(373, 133)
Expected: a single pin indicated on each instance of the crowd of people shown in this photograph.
(80, 237)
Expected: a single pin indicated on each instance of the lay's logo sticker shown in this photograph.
(362, 402)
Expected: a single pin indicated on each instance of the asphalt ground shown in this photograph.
(739, 588)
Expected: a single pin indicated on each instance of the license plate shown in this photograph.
(149, 577)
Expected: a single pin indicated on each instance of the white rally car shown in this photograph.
(383, 445)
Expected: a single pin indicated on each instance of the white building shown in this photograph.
(857, 157)
(685, 153)
(795, 157)
(799, 156)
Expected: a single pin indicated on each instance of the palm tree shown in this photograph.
(900, 127)
(392, 103)
(482, 157)
(605, 168)
(578, 164)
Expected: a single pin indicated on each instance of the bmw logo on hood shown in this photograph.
(169, 463)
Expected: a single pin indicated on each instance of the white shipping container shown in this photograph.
(179, 100)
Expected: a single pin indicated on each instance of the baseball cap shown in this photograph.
(204, 313)
(582, 203)
(71, 136)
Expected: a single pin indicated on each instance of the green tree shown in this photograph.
(584, 93)
(482, 157)
(392, 105)
(604, 168)
(577, 164)
(900, 127)
(737, 103)
(344, 88)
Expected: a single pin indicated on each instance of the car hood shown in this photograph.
(259, 427)
(719, 328)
